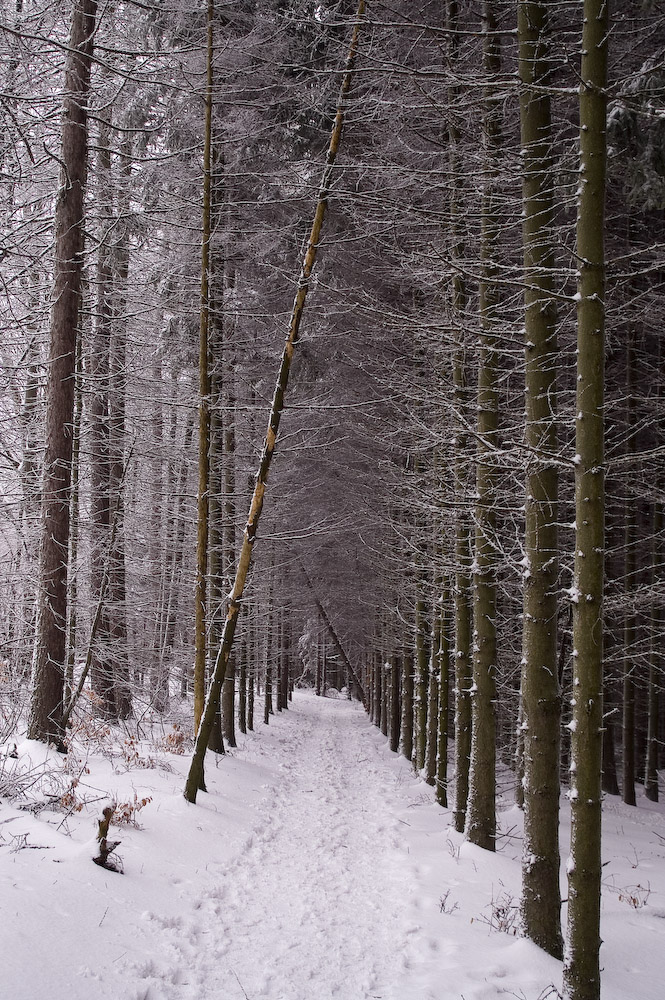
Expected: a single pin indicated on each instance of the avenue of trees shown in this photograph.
(463, 523)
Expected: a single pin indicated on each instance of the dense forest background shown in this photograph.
(396, 550)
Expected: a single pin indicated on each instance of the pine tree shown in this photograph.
(541, 706)
(49, 663)
(582, 967)
(481, 809)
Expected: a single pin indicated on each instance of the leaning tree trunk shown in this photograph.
(49, 662)
(195, 778)
(541, 700)
(333, 635)
(481, 807)
(581, 978)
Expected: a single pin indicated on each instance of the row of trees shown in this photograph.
(441, 511)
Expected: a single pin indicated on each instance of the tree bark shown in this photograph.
(229, 548)
(433, 708)
(406, 738)
(581, 979)
(101, 673)
(117, 470)
(202, 523)
(444, 698)
(49, 662)
(655, 658)
(630, 619)
(541, 700)
(423, 643)
(394, 702)
(463, 458)
(481, 809)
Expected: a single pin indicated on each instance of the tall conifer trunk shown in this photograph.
(406, 728)
(395, 671)
(582, 966)
(481, 809)
(655, 658)
(200, 630)
(541, 703)
(630, 618)
(229, 528)
(101, 672)
(463, 462)
(423, 643)
(117, 472)
(443, 658)
(49, 661)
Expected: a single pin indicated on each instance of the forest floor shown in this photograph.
(317, 866)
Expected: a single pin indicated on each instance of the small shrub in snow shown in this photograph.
(125, 813)
(445, 906)
(174, 741)
(69, 800)
(635, 895)
(503, 914)
(130, 755)
(90, 731)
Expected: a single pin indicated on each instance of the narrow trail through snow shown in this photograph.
(314, 905)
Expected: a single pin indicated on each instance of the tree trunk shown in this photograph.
(49, 662)
(195, 778)
(444, 698)
(117, 587)
(655, 658)
(394, 702)
(541, 700)
(251, 674)
(630, 620)
(229, 480)
(385, 692)
(406, 745)
(581, 979)
(463, 458)
(433, 707)
(202, 523)
(423, 642)
(72, 597)
(102, 679)
(481, 809)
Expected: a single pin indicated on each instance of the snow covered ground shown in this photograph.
(318, 866)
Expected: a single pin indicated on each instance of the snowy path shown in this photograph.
(314, 870)
(313, 906)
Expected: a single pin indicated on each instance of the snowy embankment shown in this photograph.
(317, 867)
